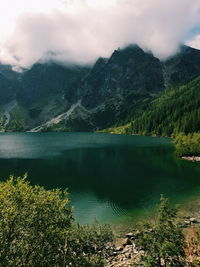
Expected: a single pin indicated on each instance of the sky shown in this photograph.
(80, 31)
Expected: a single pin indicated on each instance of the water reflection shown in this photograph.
(107, 176)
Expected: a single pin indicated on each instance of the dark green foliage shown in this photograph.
(187, 145)
(15, 126)
(162, 241)
(33, 224)
(175, 111)
(93, 240)
(37, 229)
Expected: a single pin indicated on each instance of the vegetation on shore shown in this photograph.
(117, 130)
(187, 145)
(163, 241)
(37, 229)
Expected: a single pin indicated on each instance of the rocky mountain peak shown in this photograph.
(99, 65)
(109, 92)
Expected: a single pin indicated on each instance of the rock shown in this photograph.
(193, 220)
(194, 159)
(126, 242)
(128, 248)
(122, 242)
(130, 235)
(187, 222)
(190, 220)
(120, 248)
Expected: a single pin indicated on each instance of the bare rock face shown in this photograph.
(127, 71)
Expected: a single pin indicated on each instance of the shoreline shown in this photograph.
(125, 252)
(192, 158)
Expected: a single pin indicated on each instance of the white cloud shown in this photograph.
(195, 42)
(79, 31)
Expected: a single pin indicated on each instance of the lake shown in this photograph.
(112, 178)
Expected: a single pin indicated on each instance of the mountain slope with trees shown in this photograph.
(176, 110)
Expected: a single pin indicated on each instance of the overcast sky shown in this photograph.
(79, 31)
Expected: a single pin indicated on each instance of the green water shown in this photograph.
(109, 177)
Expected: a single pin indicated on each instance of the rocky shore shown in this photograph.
(194, 159)
(126, 254)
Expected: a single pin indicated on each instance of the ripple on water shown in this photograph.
(117, 210)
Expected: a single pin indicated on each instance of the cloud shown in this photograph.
(195, 42)
(83, 30)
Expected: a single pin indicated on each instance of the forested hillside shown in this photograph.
(176, 110)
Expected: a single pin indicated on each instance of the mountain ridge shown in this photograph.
(112, 92)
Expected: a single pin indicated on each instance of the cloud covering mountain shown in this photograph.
(79, 31)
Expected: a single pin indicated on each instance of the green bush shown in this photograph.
(162, 241)
(187, 145)
(90, 244)
(37, 229)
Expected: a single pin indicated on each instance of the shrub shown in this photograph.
(37, 229)
(90, 244)
(163, 241)
(187, 145)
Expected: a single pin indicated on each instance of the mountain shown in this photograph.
(183, 67)
(44, 80)
(175, 111)
(115, 91)
(9, 85)
(39, 96)
(127, 71)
